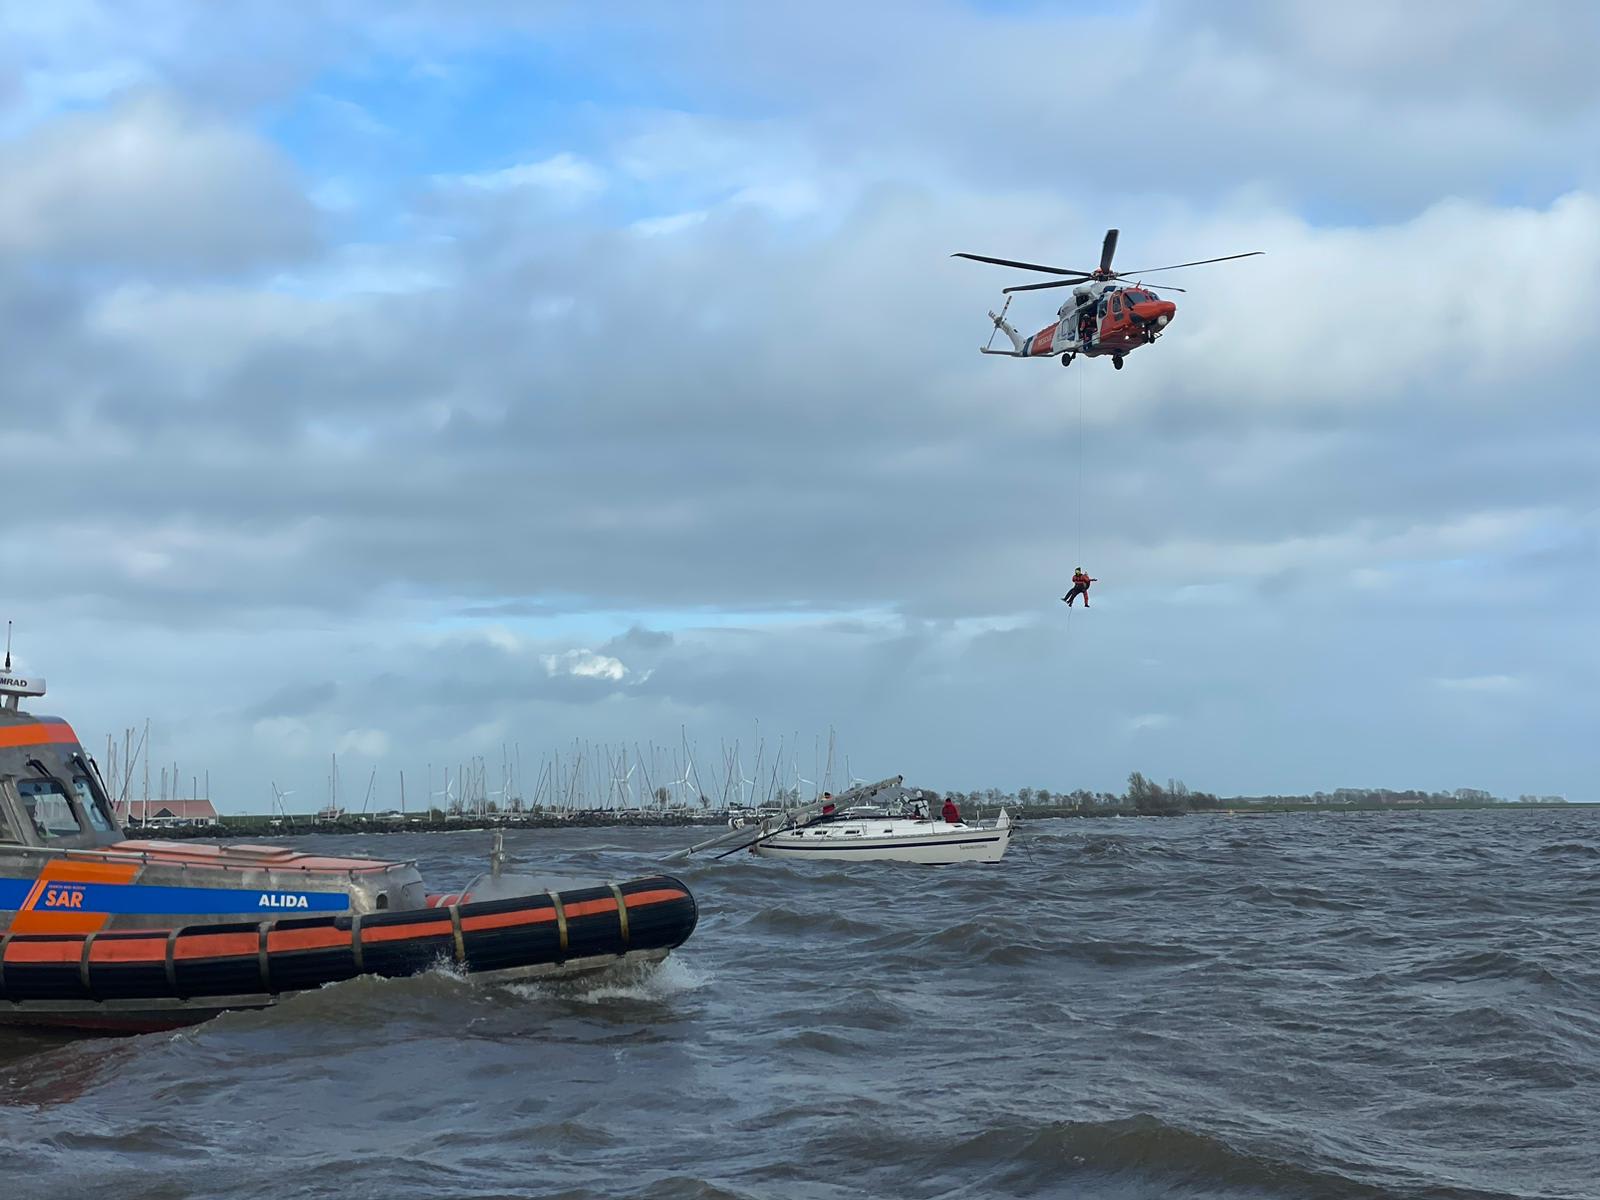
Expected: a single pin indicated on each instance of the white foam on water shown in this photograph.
(647, 982)
(448, 968)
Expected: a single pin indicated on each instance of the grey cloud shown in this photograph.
(510, 608)
(1355, 467)
(1474, 50)
(1376, 112)
(684, 466)
(637, 642)
(148, 185)
(296, 700)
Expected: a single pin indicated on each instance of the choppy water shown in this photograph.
(1299, 1006)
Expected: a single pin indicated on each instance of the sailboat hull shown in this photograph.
(891, 841)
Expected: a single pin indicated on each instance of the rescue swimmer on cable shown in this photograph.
(1080, 587)
(1104, 315)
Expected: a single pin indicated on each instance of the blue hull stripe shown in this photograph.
(65, 896)
(879, 844)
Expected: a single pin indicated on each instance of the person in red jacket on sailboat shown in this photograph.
(950, 813)
(1080, 587)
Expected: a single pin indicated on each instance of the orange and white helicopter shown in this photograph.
(1103, 317)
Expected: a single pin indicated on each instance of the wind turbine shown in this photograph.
(680, 784)
(747, 785)
(448, 792)
(649, 784)
(622, 785)
(851, 774)
(802, 779)
(694, 770)
(278, 797)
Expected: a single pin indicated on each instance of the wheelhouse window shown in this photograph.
(98, 820)
(7, 833)
(48, 808)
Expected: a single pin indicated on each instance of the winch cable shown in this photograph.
(1078, 540)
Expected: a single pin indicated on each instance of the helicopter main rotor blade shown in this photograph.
(1034, 287)
(1025, 266)
(1198, 263)
(1157, 287)
(1107, 249)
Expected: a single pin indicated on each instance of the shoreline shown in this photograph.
(248, 825)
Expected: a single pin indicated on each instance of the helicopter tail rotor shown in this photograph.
(1018, 342)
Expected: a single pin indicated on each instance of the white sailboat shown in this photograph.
(880, 822)
(888, 837)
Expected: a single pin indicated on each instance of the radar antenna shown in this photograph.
(13, 684)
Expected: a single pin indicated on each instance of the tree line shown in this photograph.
(1146, 797)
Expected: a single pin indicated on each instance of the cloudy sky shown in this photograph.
(410, 380)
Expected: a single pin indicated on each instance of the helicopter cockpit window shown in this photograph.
(98, 821)
(48, 807)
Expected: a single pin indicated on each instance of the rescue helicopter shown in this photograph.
(1104, 315)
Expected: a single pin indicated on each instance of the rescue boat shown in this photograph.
(101, 932)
